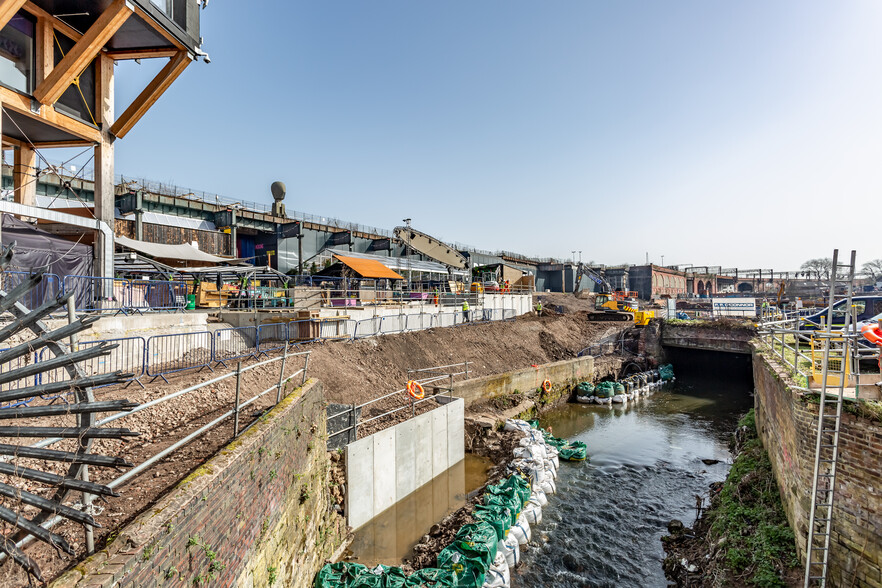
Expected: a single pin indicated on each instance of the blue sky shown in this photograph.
(713, 133)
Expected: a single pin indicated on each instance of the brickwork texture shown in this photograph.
(787, 425)
(257, 514)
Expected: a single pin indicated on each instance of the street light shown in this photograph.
(407, 252)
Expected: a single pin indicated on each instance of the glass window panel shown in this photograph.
(17, 53)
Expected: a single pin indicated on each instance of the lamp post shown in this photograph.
(407, 253)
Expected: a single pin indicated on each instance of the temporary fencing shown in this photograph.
(16, 384)
(160, 355)
(167, 354)
(157, 295)
(234, 343)
(48, 288)
(127, 357)
(271, 337)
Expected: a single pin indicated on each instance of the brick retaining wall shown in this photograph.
(787, 425)
(256, 514)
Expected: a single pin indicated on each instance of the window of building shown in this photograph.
(77, 101)
(17, 53)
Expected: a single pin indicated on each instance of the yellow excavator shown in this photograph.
(610, 306)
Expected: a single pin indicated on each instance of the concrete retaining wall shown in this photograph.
(255, 514)
(567, 372)
(390, 465)
(787, 425)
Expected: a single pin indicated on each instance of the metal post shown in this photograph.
(467, 370)
(87, 507)
(72, 317)
(305, 365)
(282, 373)
(236, 408)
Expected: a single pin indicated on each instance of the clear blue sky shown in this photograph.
(719, 133)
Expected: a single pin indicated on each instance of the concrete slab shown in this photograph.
(423, 450)
(384, 470)
(406, 441)
(455, 432)
(360, 482)
(439, 441)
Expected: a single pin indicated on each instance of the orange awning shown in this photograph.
(368, 268)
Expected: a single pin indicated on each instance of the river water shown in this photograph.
(603, 527)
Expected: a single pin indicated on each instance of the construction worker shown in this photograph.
(539, 307)
(465, 310)
(437, 296)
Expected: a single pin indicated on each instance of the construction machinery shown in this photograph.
(609, 305)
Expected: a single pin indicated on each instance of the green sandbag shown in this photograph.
(555, 442)
(605, 390)
(619, 388)
(468, 569)
(477, 537)
(505, 498)
(521, 486)
(499, 517)
(666, 372)
(533, 423)
(585, 389)
(337, 575)
(430, 578)
(380, 577)
(575, 451)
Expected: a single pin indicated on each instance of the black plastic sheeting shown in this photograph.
(36, 249)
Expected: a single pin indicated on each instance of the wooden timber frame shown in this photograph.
(52, 78)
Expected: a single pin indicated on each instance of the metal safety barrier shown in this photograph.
(234, 343)
(127, 357)
(271, 337)
(167, 354)
(48, 289)
(145, 295)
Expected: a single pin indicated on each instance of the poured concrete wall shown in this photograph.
(566, 372)
(390, 465)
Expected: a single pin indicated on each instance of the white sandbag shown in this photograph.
(532, 512)
(548, 486)
(521, 530)
(585, 399)
(550, 469)
(517, 425)
(619, 398)
(511, 551)
(539, 496)
(498, 576)
(551, 452)
(523, 452)
(603, 400)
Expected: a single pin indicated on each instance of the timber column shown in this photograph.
(105, 190)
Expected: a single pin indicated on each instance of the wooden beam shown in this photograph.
(8, 8)
(45, 48)
(83, 52)
(122, 54)
(24, 176)
(22, 104)
(151, 94)
(61, 144)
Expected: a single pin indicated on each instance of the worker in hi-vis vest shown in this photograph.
(465, 310)
(539, 307)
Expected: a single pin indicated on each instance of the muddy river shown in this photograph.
(603, 527)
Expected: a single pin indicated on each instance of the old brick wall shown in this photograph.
(256, 514)
(787, 425)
